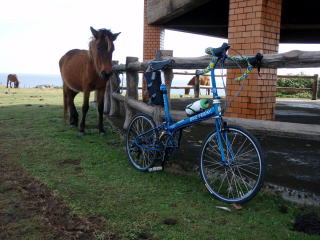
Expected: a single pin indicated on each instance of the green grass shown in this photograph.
(94, 177)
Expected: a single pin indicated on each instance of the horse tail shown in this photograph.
(65, 103)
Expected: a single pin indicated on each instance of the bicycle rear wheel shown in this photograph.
(240, 177)
(142, 149)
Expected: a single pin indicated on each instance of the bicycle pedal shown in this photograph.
(155, 169)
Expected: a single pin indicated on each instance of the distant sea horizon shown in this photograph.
(29, 80)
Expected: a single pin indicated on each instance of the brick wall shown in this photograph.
(153, 40)
(254, 26)
(153, 37)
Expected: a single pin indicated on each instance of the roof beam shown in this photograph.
(311, 26)
(159, 12)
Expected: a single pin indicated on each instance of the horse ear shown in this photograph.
(115, 35)
(94, 32)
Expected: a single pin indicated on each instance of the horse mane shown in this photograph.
(103, 32)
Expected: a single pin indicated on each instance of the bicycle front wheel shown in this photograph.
(142, 142)
(239, 176)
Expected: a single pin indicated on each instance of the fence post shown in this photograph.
(168, 73)
(114, 87)
(110, 104)
(168, 76)
(132, 90)
(197, 86)
(315, 87)
(107, 98)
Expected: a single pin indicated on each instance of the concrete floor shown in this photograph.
(298, 111)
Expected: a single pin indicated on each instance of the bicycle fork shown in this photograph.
(223, 139)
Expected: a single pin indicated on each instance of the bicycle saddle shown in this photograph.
(158, 65)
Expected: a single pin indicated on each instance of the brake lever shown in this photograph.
(256, 61)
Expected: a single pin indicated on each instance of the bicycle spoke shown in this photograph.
(242, 180)
(222, 181)
(237, 187)
(245, 153)
(252, 173)
(248, 165)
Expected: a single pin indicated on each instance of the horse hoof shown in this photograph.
(72, 126)
(80, 134)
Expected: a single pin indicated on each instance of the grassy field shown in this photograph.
(96, 181)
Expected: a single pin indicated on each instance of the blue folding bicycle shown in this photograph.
(231, 162)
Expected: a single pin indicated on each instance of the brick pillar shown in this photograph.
(153, 37)
(254, 26)
(153, 40)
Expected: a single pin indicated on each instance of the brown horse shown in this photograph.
(85, 71)
(12, 78)
(204, 80)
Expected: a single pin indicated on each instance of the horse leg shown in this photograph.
(85, 107)
(100, 100)
(74, 117)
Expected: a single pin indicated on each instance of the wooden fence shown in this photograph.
(313, 89)
(196, 87)
(293, 59)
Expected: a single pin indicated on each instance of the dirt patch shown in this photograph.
(308, 223)
(24, 198)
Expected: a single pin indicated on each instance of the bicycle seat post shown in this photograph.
(163, 89)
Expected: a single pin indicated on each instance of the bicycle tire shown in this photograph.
(142, 158)
(241, 177)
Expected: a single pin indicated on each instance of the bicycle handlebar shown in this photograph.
(251, 63)
(220, 54)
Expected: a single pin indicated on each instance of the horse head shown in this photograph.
(100, 49)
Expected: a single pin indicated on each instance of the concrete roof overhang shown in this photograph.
(299, 20)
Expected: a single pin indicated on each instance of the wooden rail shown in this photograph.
(292, 59)
(313, 89)
(132, 67)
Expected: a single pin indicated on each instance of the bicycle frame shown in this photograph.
(186, 122)
(214, 112)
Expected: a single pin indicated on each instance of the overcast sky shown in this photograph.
(34, 34)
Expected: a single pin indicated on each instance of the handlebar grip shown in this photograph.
(256, 60)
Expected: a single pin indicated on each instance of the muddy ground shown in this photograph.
(30, 210)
